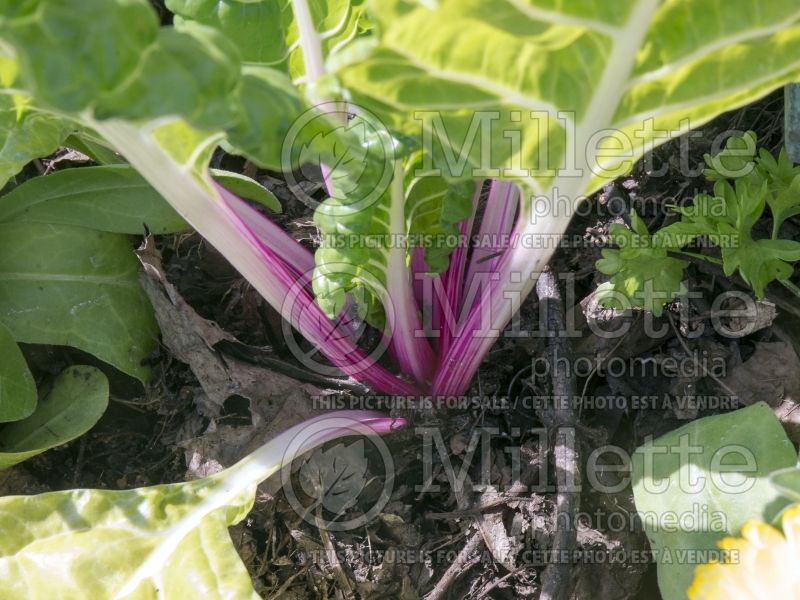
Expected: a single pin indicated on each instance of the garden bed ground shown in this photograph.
(191, 419)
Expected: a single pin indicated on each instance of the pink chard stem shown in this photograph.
(453, 279)
(486, 278)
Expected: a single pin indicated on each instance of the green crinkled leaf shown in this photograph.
(355, 254)
(334, 284)
(356, 151)
(126, 63)
(372, 224)
(350, 160)
(77, 287)
(76, 401)
(289, 133)
(681, 515)
(17, 388)
(642, 272)
(363, 245)
(265, 31)
(365, 250)
(435, 207)
(113, 198)
(199, 67)
(367, 225)
(208, 90)
(64, 67)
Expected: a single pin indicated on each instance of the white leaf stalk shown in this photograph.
(242, 478)
(409, 345)
(310, 42)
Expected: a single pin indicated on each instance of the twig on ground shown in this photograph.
(561, 419)
(339, 573)
(460, 564)
(471, 512)
(484, 592)
(281, 591)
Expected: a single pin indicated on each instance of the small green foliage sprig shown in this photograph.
(644, 269)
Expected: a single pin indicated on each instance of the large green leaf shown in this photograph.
(200, 67)
(209, 90)
(76, 402)
(17, 388)
(76, 287)
(701, 482)
(167, 541)
(558, 96)
(113, 198)
(98, 541)
(608, 65)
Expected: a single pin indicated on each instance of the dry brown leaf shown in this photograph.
(191, 339)
(771, 374)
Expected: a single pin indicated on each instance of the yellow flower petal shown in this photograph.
(762, 564)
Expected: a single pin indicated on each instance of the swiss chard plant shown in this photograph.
(411, 110)
(563, 96)
(647, 270)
